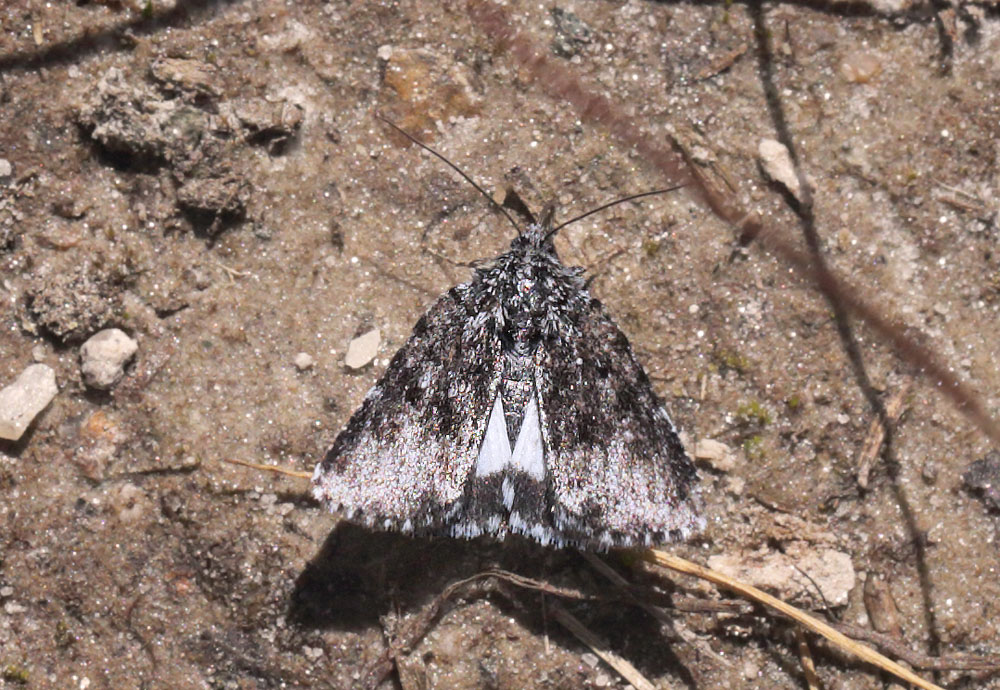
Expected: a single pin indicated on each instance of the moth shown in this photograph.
(516, 406)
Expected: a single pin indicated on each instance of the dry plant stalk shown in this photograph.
(298, 474)
(806, 659)
(623, 666)
(861, 651)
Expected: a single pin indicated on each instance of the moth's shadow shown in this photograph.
(359, 575)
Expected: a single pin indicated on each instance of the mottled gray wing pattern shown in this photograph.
(404, 457)
(617, 472)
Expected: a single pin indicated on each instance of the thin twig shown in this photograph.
(806, 659)
(655, 611)
(866, 654)
(298, 474)
(876, 433)
(412, 632)
(898, 649)
(233, 273)
(624, 668)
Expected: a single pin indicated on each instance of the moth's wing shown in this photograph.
(405, 455)
(617, 473)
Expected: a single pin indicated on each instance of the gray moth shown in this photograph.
(516, 406)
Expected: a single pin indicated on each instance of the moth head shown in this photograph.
(538, 233)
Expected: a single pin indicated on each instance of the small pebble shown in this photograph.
(777, 164)
(303, 361)
(22, 400)
(929, 472)
(129, 503)
(312, 653)
(12, 608)
(103, 357)
(860, 68)
(363, 349)
(718, 455)
(590, 659)
(6, 171)
(983, 477)
(735, 486)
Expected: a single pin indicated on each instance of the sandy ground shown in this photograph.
(209, 177)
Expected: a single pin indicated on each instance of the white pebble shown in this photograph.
(12, 608)
(303, 361)
(103, 357)
(129, 502)
(312, 653)
(719, 455)
(21, 401)
(860, 67)
(363, 349)
(777, 164)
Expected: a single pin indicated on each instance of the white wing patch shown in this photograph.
(528, 455)
(507, 491)
(494, 454)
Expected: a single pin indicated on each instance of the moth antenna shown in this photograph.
(551, 233)
(454, 167)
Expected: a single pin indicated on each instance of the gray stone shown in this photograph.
(303, 361)
(826, 569)
(983, 477)
(187, 75)
(103, 357)
(363, 349)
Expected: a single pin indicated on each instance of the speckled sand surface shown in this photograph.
(131, 556)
